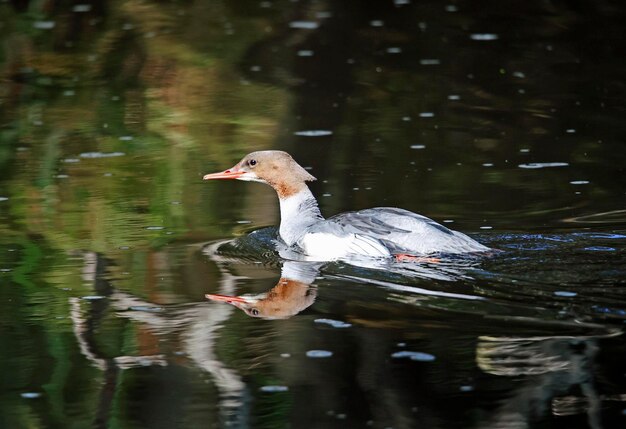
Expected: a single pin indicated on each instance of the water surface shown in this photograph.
(504, 121)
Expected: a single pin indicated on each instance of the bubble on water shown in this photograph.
(524, 150)
(273, 389)
(69, 93)
(305, 53)
(486, 227)
(285, 355)
(448, 221)
(534, 165)
(487, 164)
(401, 2)
(394, 50)
(4, 198)
(519, 75)
(126, 138)
(304, 25)
(416, 356)
(418, 146)
(155, 228)
(323, 14)
(61, 176)
(244, 222)
(570, 131)
(71, 160)
(92, 297)
(484, 37)
(377, 23)
(454, 97)
(101, 154)
(313, 133)
(430, 61)
(565, 294)
(427, 115)
(124, 247)
(44, 25)
(30, 395)
(579, 182)
(319, 354)
(333, 323)
(451, 8)
(466, 388)
(327, 195)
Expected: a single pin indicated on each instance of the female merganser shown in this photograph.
(383, 232)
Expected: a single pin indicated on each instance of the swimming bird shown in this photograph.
(383, 232)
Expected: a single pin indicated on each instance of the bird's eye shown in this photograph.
(252, 162)
(254, 312)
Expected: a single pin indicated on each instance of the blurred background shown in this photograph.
(504, 120)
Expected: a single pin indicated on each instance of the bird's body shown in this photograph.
(382, 232)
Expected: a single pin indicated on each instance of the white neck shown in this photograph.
(297, 213)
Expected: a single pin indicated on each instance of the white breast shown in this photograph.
(328, 247)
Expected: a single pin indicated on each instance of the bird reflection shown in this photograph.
(292, 294)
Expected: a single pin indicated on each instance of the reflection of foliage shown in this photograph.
(118, 80)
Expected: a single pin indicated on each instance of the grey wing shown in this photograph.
(403, 231)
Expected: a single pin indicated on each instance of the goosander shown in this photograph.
(383, 232)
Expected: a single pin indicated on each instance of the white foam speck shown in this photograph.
(304, 25)
(313, 133)
(486, 227)
(30, 395)
(92, 297)
(418, 146)
(3, 198)
(377, 23)
(534, 165)
(484, 36)
(319, 354)
(579, 182)
(305, 53)
(273, 389)
(430, 62)
(417, 356)
(333, 323)
(427, 115)
(101, 154)
(454, 97)
(394, 50)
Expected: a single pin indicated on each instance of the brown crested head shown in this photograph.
(276, 168)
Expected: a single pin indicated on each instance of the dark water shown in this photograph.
(504, 120)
